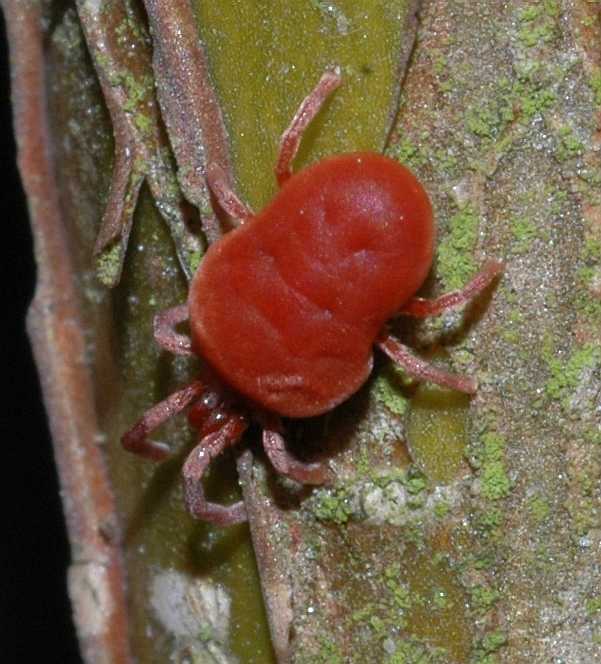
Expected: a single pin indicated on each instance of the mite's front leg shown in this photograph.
(136, 439)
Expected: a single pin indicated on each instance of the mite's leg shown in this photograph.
(308, 109)
(227, 199)
(421, 308)
(422, 370)
(135, 440)
(197, 462)
(165, 334)
(285, 463)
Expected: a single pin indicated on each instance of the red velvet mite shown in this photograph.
(286, 308)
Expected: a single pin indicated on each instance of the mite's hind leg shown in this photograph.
(308, 109)
(275, 448)
(136, 439)
(165, 334)
(420, 369)
(421, 308)
(227, 199)
(194, 468)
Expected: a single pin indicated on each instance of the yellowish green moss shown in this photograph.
(413, 651)
(568, 145)
(593, 605)
(538, 23)
(333, 505)
(595, 85)
(524, 232)
(495, 484)
(490, 644)
(400, 595)
(329, 653)
(194, 259)
(539, 509)
(108, 264)
(445, 161)
(143, 122)
(490, 520)
(536, 101)
(488, 121)
(566, 375)
(441, 509)
(407, 152)
(493, 641)
(592, 250)
(456, 262)
(483, 598)
(388, 388)
(584, 516)
(593, 436)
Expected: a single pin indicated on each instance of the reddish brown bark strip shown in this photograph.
(96, 579)
(190, 108)
(122, 58)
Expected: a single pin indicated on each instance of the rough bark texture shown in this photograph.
(96, 575)
(454, 531)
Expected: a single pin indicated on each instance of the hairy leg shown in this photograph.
(421, 308)
(275, 448)
(308, 109)
(229, 202)
(165, 334)
(195, 466)
(418, 368)
(136, 439)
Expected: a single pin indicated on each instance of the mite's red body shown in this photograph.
(287, 307)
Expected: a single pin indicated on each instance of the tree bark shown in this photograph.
(455, 530)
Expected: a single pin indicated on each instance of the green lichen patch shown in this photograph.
(538, 23)
(524, 232)
(333, 505)
(568, 146)
(539, 509)
(399, 593)
(407, 152)
(595, 85)
(455, 261)
(587, 300)
(329, 653)
(389, 388)
(413, 651)
(488, 120)
(194, 258)
(489, 520)
(108, 264)
(487, 646)
(535, 101)
(593, 605)
(495, 483)
(565, 375)
(483, 598)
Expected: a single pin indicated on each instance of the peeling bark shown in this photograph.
(96, 578)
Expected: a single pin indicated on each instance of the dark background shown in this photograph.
(35, 616)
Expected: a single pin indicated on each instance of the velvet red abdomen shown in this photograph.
(286, 308)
